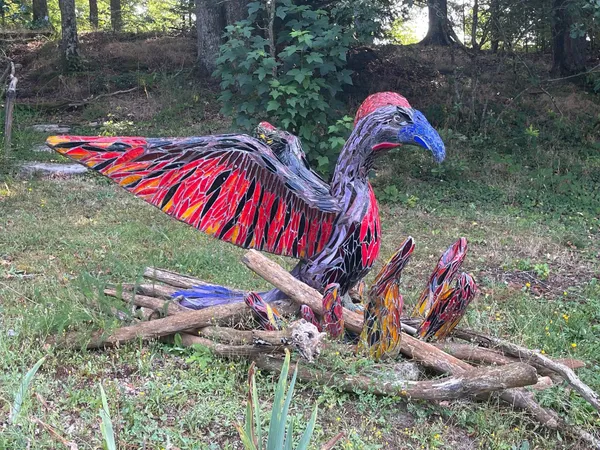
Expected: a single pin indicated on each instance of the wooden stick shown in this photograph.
(421, 351)
(537, 358)
(474, 354)
(469, 384)
(227, 350)
(156, 304)
(156, 290)
(191, 320)
(176, 279)
(242, 337)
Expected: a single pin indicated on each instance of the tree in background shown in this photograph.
(94, 13)
(209, 24)
(40, 14)
(568, 43)
(69, 43)
(440, 31)
(116, 17)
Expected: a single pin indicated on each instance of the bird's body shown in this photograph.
(235, 188)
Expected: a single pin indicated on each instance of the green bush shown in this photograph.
(294, 86)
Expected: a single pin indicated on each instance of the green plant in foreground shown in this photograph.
(106, 426)
(279, 436)
(15, 408)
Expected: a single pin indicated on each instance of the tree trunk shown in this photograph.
(568, 52)
(69, 42)
(40, 14)
(495, 25)
(116, 18)
(439, 28)
(94, 14)
(209, 24)
(235, 10)
(474, 25)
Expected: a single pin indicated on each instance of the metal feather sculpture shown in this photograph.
(381, 333)
(269, 317)
(309, 315)
(442, 276)
(448, 309)
(235, 188)
(333, 318)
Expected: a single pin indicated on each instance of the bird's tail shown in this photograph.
(199, 297)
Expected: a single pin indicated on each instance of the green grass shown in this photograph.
(62, 241)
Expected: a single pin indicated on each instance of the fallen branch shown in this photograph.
(242, 337)
(227, 350)
(168, 307)
(301, 335)
(176, 279)
(536, 358)
(85, 101)
(475, 354)
(469, 384)
(191, 320)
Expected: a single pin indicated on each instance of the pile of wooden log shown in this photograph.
(477, 368)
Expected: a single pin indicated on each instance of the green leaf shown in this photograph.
(277, 425)
(281, 12)
(314, 58)
(305, 440)
(273, 105)
(261, 72)
(289, 436)
(106, 426)
(253, 7)
(15, 408)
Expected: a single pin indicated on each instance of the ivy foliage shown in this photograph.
(296, 84)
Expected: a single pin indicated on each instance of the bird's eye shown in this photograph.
(400, 120)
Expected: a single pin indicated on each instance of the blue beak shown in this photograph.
(421, 133)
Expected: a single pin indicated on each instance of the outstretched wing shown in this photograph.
(229, 186)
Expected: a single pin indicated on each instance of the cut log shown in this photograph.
(475, 354)
(475, 382)
(156, 304)
(536, 358)
(301, 335)
(191, 320)
(242, 337)
(156, 290)
(176, 279)
(302, 294)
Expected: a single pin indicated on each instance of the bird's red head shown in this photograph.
(378, 100)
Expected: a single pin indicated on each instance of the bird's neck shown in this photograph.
(355, 160)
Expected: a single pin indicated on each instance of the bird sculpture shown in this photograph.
(235, 188)
(449, 309)
(380, 336)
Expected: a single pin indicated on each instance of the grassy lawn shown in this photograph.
(534, 249)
